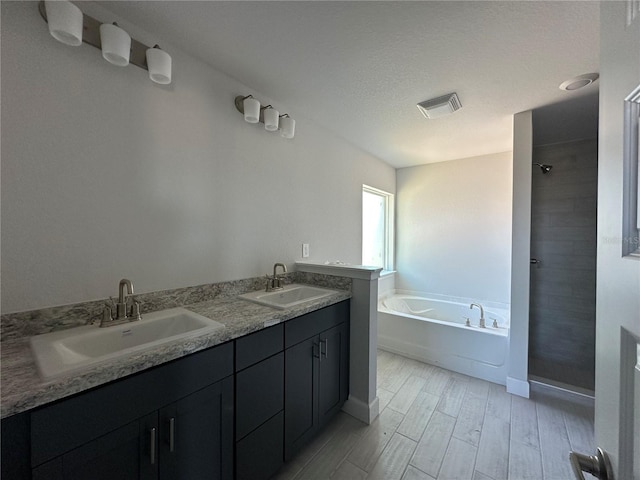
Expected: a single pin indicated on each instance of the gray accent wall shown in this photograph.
(563, 284)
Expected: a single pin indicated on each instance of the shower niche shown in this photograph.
(562, 293)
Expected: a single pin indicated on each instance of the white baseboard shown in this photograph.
(364, 412)
(518, 387)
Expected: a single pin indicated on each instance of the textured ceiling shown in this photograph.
(358, 68)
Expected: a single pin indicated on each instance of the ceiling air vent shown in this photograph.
(438, 107)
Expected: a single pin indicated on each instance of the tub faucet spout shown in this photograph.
(482, 323)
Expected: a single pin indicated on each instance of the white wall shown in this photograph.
(107, 175)
(454, 228)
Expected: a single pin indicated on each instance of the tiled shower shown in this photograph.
(563, 269)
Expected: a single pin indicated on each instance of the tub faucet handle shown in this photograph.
(495, 322)
(467, 322)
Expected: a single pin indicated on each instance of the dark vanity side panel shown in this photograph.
(258, 346)
(71, 422)
(315, 322)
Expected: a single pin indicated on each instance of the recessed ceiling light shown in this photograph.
(578, 82)
(437, 107)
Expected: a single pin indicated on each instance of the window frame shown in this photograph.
(389, 226)
(631, 176)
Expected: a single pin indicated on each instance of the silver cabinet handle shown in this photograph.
(326, 347)
(172, 434)
(597, 465)
(319, 351)
(534, 261)
(152, 445)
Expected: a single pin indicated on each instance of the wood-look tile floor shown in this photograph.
(439, 425)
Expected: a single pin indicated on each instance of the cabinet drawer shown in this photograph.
(69, 423)
(258, 346)
(259, 394)
(260, 454)
(298, 329)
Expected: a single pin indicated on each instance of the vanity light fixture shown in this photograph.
(65, 22)
(251, 109)
(288, 128)
(159, 64)
(70, 26)
(268, 115)
(116, 44)
(271, 117)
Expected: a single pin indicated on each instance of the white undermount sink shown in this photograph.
(67, 351)
(289, 296)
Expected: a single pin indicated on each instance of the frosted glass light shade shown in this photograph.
(251, 110)
(287, 127)
(271, 117)
(65, 22)
(116, 44)
(159, 65)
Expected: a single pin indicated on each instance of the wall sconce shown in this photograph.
(116, 44)
(251, 109)
(70, 26)
(269, 116)
(288, 127)
(159, 63)
(65, 22)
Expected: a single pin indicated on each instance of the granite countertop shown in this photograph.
(23, 388)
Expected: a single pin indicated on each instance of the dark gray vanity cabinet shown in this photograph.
(316, 372)
(259, 403)
(171, 422)
(234, 411)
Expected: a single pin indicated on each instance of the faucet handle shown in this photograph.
(106, 316)
(135, 311)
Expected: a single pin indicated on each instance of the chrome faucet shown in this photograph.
(122, 313)
(275, 282)
(121, 306)
(482, 324)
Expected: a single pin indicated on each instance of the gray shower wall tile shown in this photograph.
(562, 191)
(564, 229)
(571, 261)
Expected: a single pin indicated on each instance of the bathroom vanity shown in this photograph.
(236, 409)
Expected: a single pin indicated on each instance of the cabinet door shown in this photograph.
(333, 374)
(14, 443)
(123, 454)
(196, 435)
(300, 396)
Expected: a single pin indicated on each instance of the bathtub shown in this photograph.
(433, 330)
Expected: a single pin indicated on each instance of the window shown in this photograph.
(377, 228)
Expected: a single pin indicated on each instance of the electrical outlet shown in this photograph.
(305, 250)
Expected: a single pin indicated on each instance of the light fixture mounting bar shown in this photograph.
(91, 36)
